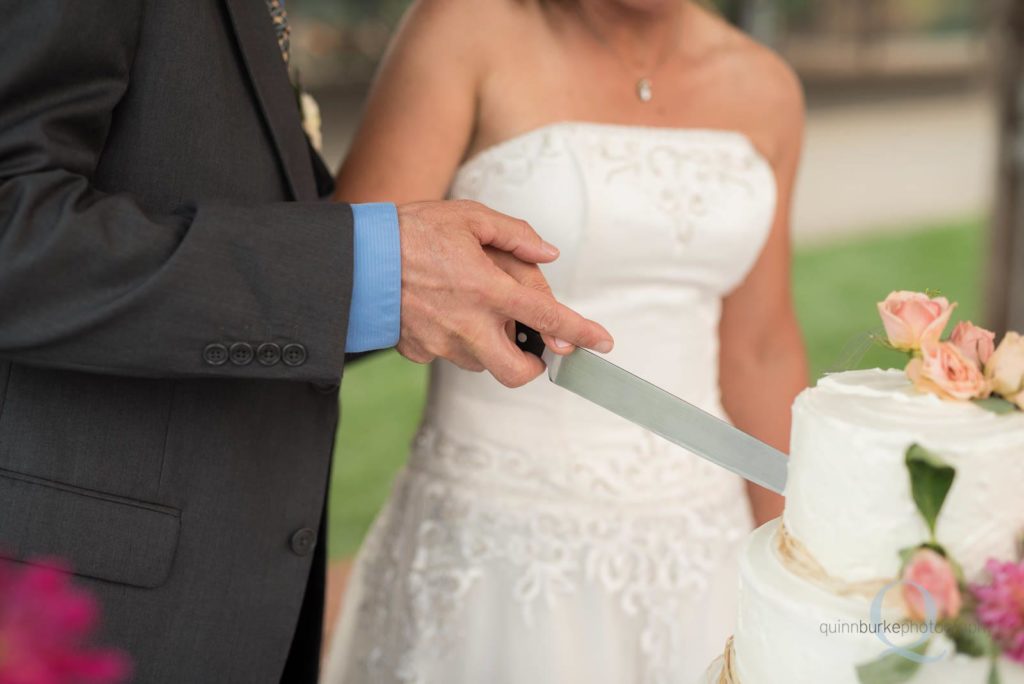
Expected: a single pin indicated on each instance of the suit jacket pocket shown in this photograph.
(96, 432)
(101, 536)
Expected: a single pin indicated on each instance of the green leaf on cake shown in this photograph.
(930, 480)
(970, 638)
(993, 669)
(996, 405)
(892, 669)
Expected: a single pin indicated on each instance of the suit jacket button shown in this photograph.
(294, 355)
(241, 354)
(215, 354)
(268, 354)
(327, 387)
(303, 542)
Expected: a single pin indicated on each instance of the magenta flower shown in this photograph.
(45, 623)
(1001, 606)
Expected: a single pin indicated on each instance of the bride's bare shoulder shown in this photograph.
(755, 82)
(740, 58)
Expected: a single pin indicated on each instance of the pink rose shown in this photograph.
(975, 343)
(913, 319)
(933, 573)
(1005, 369)
(942, 369)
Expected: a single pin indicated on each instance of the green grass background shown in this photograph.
(835, 287)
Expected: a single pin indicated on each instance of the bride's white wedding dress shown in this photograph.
(535, 538)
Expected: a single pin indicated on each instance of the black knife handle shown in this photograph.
(529, 340)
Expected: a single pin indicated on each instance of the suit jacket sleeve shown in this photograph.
(90, 280)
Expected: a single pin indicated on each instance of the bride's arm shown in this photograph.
(763, 364)
(420, 113)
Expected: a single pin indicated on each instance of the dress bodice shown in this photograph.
(655, 226)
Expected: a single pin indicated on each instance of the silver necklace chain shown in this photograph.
(644, 84)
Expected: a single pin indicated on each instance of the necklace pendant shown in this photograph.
(644, 90)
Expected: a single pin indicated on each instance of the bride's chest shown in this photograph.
(632, 206)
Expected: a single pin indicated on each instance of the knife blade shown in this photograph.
(647, 405)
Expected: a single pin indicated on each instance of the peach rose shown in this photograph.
(1005, 369)
(975, 343)
(943, 369)
(913, 319)
(933, 573)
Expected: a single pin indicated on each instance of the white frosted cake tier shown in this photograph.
(780, 638)
(848, 498)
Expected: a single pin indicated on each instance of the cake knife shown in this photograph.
(638, 401)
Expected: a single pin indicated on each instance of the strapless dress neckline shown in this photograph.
(725, 135)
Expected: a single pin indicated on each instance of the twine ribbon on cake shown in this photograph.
(798, 560)
(728, 674)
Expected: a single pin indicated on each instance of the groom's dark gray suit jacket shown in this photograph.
(173, 308)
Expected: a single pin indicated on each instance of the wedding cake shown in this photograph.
(898, 556)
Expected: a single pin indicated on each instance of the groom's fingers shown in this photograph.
(555, 321)
(510, 366)
(414, 352)
(528, 275)
(457, 313)
(508, 234)
(466, 359)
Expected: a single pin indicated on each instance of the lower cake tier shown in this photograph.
(791, 631)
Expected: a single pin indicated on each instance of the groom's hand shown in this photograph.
(457, 298)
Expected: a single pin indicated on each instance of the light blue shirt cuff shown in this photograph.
(374, 320)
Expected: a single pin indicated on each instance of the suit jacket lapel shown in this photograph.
(269, 74)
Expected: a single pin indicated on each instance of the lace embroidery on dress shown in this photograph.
(418, 577)
(682, 183)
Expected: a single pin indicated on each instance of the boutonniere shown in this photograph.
(309, 110)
